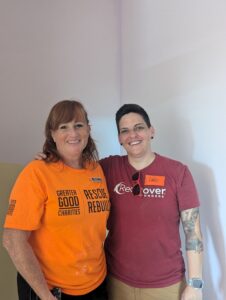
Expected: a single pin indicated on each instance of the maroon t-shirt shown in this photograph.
(143, 247)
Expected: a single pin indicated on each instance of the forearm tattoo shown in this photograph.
(189, 219)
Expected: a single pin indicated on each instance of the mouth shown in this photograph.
(73, 142)
(134, 143)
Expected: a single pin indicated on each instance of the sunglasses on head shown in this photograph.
(136, 187)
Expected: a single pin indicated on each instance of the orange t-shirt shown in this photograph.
(66, 209)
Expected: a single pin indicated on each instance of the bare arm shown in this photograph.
(16, 243)
(194, 250)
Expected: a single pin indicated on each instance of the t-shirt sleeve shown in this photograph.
(186, 191)
(105, 164)
(27, 201)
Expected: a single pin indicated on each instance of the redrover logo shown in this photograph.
(151, 192)
(121, 188)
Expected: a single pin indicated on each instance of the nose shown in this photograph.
(73, 131)
(132, 132)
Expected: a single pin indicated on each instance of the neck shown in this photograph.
(141, 162)
(75, 164)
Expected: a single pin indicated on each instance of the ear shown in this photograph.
(119, 139)
(152, 132)
(53, 135)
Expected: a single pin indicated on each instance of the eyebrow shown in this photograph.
(134, 125)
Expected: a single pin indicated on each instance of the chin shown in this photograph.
(135, 154)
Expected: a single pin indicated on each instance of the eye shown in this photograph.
(139, 128)
(78, 125)
(62, 126)
(124, 131)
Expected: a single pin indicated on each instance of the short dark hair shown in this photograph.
(131, 108)
(63, 112)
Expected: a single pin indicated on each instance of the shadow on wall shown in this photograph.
(182, 143)
(8, 174)
(212, 233)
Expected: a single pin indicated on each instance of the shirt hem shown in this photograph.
(148, 285)
(80, 292)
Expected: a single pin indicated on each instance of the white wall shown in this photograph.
(52, 50)
(174, 64)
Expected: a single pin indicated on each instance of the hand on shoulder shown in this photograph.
(40, 156)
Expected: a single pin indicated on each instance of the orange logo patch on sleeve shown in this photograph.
(154, 180)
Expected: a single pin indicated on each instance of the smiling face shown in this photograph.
(67, 133)
(135, 135)
(71, 139)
